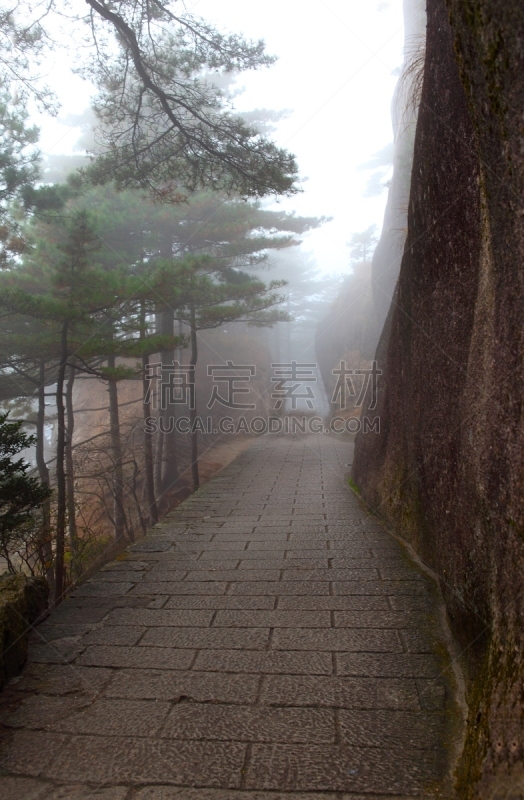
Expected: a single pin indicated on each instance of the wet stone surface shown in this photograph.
(267, 641)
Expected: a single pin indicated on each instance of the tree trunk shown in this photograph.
(70, 474)
(152, 510)
(276, 355)
(46, 549)
(61, 494)
(116, 447)
(193, 411)
(159, 453)
(170, 472)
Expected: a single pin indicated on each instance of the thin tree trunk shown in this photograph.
(61, 494)
(152, 510)
(116, 447)
(288, 331)
(70, 474)
(159, 453)
(170, 473)
(277, 343)
(193, 411)
(46, 550)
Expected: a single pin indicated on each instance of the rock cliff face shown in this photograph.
(404, 108)
(447, 468)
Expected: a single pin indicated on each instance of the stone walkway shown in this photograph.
(269, 640)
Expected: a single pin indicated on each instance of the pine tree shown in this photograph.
(205, 294)
(20, 494)
(73, 293)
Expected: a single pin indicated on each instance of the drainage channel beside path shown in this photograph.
(268, 641)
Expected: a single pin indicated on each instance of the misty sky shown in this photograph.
(334, 74)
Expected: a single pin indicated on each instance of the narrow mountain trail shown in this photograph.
(268, 640)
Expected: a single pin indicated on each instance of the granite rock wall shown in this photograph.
(447, 467)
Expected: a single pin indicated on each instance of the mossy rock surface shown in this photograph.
(22, 601)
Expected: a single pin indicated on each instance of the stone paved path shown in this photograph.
(269, 640)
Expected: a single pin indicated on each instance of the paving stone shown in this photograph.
(324, 768)
(342, 639)
(101, 587)
(388, 665)
(164, 617)
(263, 543)
(140, 657)
(398, 693)
(70, 614)
(271, 528)
(135, 760)
(356, 562)
(282, 588)
(210, 547)
(150, 546)
(59, 651)
(49, 633)
(377, 619)
(112, 717)
(119, 577)
(273, 619)
(234, 575)
(41, 712)
(182, 587)
(335, 692)
(273, 553)
(114, 635)
(53, 679)
(409, 603)
(399, 573)
(330, 575)
(343, 545)
(173, 560)
(382, 587)
(217, 562)
(208, 638)
(242, 602)
(69, 792)
(417, 641)
(29, 752)
(357, 602)
(250, 724)
(177, 793)
(257, 536)
(285, 563)
(197, 687)
(269, 662)
(22, 788)
(161, 576)
(392, 728)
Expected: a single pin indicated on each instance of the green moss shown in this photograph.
(354, 486)
(501, 670)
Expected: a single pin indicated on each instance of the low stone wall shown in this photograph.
(22, 601)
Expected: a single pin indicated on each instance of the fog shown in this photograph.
(261, 399)
(338, 63)
(208, 269)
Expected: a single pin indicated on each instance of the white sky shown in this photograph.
(333, 74)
